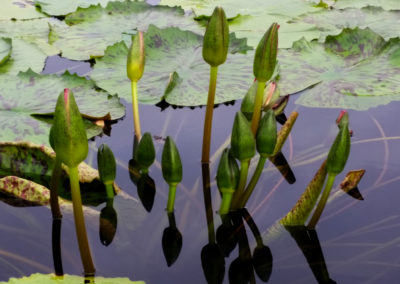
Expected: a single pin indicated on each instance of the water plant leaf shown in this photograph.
(174, 52)
(67, 279)
(350, 182)
(61, 8)
(341, 74)
(30, 93)
(87, 32)
(385, 4)
(18, 10)
(5, 49)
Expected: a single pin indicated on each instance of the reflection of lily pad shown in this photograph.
(22, 9)
(356, 69)
(172, 50)
(95, 28)
(5, 49)
(60, 8)
(30, 93)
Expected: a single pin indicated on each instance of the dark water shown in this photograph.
(360, 240)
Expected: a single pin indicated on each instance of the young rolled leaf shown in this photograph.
(243, 144)
(266, 135)
(145, 153)
(69, 134)
(216, 38)
(171, 164)
(106, 164)
(136, 58)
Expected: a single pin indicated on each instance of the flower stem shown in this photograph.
(80, 223)
(226, 202)
(244, 169)
(55, 178)
(135, 110)
(257, 107)
(171, 197)
(205, 157)
(321, 204)
(254, 179)
(109, 190)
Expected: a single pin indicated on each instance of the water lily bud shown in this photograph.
(69, 133)
(171, 164)
(145, 153)
(136, 58)
(340, 148)
(266, 135)
(106, 164)
(243, 143)
(51, 137)
(228, 172)
(216, 38)
(265, 56)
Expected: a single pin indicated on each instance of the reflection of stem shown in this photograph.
(244, 169)
(321, 205)
(80, 223)
(205, 157)
(254, 179)
(55, 179)
(257, 107)
(253, 227)
(171, 197)
(135, 110)
(207, 202)
(56, 246)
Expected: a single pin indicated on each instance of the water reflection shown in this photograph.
(56, 246)
(108, 223)
(171, 241)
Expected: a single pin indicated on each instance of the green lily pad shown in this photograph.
(19, 10)
(5, 49)
(356, 69)
(174, 70)
(30, 93)
(331, 22)
(67, 279)
(61, 8)
(92, 29)
(385, 4)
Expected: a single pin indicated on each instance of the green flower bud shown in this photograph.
(265, 56)
(266, 134)
(340, 148)
(136, 58)
(216, 38)
(145, 153)
(243, 143)
(171, 164)
(106, 164)
(228, 172)
(69, 133)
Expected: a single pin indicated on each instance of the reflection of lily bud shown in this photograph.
(108, 223)
(226, 238)
(146, 190)
(262, 262)
(213, 263)
(240, 271)
(171, 243)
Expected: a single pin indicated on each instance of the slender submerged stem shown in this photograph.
(171, 197)
(205, 157)
(56, 246)
(253, 181)
(109, 190)
(237, 196)
(205, 170)
(321, 204)
(257, 107)
(55, 178)
(135, 110)
(80, 223)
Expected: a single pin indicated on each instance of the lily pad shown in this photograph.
(30, 93)
(61, 8)
(385, 4)
(89, 31)
(174, 70)
(356, 69)
(18, 10)
(5, 49)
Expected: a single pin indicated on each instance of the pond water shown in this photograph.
(360, 240)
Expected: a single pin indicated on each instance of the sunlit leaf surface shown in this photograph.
(67, 279)
(22, 9)
(385, 4)
(59, 8)
(357, 69)
(5, 49)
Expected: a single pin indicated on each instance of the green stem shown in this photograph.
(205, 157)
(135, 110)
(257, 107)
(244, 169)
(80, 223)
(321, 204)
(171, 197)
(254, 179)
(226, 202)
(55, 179)
(109, 190)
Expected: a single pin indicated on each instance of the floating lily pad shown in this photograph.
(22, 9)
(174, 70)
(30, 93)
(385, 4)
(60, 8)
(356, 69)
(5, 49)
(95, 28)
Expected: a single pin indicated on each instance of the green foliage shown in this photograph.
(242, 140)
(266, 134)
(228, 172)
(5, 49)
(106, 164)
(145, 153)
(61, 8)
(11, 10)
(171, 164)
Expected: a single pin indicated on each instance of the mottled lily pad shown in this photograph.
(89, 31)
(5, 49)
(60, 8)
(385, 4)
(174, 70)
(22, 9)
(356, 69)
(30, 93)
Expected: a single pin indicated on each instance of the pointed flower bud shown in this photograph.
(136, 58)
(266, 135)
(265, 56)
(106, 164)
(340, 148)
(69, 133)
(228, 172)
(216, 38)
(145, 153)
(242, 141)
(171, 164)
